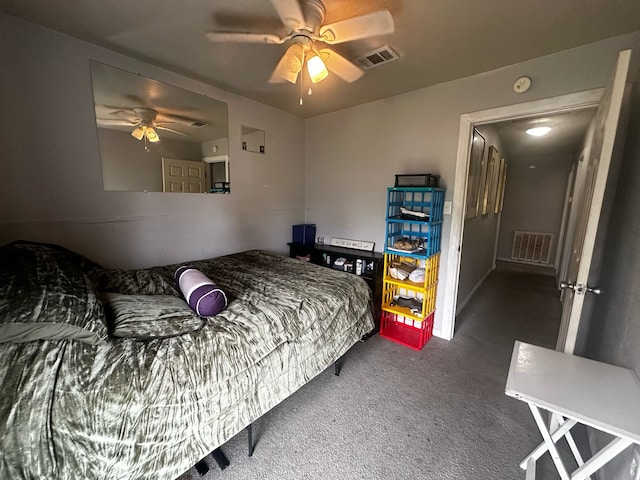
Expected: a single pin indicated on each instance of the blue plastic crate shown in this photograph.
(429, 236)
(423, 223)
(423, 201)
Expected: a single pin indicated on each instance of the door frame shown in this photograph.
(546, 106)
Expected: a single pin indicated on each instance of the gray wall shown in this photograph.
(534, 198)
(613, 334)
(479, 236)
(352, 155)
(52, 182)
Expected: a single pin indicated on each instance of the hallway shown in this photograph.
(515, 302)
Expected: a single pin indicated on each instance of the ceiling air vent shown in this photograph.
(377, 57)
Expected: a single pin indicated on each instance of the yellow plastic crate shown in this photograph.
(431, 266)
(426, 295)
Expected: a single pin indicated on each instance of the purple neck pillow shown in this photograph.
(203, 295)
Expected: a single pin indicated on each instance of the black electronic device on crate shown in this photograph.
(417, 180)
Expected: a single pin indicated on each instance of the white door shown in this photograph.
(566, 216)
(575, 211)
(182, 176)
(605, 129)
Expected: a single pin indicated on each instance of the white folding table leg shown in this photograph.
(531, 469)
(573, 446)
(542, 448)
(553, 451)
(600, 459)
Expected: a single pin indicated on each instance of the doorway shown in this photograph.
(528, 110)
(527, 221)
(602, 153)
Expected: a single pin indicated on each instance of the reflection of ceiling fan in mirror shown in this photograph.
(305, 28)
(144, 121)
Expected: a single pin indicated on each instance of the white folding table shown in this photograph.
(576, 390)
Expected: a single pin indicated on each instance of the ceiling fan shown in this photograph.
(304, 28)
(144, 121)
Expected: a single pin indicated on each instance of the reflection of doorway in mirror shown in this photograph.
(253, 139)
(218, 174)
(182, 176)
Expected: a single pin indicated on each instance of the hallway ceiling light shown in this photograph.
(538, 131)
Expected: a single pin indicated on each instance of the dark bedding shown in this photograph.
(133, 408)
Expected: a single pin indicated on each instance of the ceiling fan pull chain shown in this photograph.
(302, 76)
(301, 102)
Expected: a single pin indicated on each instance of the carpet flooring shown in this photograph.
(394, 413)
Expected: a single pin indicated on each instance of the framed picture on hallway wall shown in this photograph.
(502, 180)
(476, 163)
(491, 182)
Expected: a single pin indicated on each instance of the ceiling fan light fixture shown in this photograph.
(316, 68)
(152, 135)
(138, 133)
(289, 65)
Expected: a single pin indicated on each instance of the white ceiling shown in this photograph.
(438, 40)
(568, 131)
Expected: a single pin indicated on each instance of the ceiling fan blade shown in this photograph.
(115, 122)
(339, 65)
(290, 13)
(123, 111)
(160, 127)
(289, 65)
(363, 26)
(104, 111)
(112, 108)
(239, 37)
(170, 118)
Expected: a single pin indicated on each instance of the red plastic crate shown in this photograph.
(406, 331)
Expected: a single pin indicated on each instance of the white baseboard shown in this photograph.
(546, 268)
(464, 302)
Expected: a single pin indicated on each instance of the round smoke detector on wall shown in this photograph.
(522, 84)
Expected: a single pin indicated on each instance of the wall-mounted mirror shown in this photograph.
(157, 137)
(252, 139)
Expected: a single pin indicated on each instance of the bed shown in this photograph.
(80, 402)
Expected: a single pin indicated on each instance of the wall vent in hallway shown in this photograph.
(534, 247)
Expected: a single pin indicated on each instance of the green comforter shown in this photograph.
(131, 409)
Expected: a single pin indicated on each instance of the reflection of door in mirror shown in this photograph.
(182, 176)
(252, 139)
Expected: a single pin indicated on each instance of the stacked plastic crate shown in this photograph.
(411, 263)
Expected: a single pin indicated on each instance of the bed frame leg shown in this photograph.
(337, 366)
(250, 438)
(202, 467)
(220, 458)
